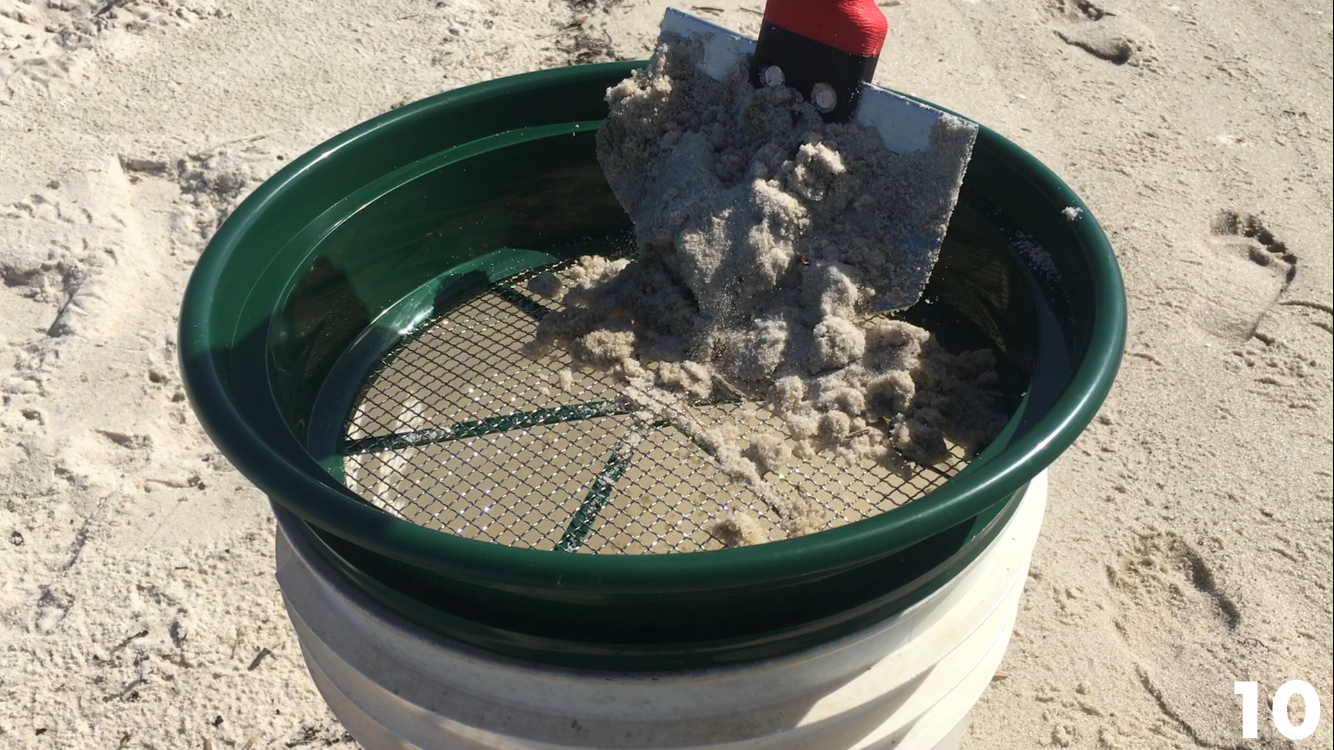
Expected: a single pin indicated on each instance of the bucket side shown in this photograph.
(863, 691)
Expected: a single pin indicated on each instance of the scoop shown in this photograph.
(828, 50)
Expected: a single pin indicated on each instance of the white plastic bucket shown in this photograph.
(907, 682)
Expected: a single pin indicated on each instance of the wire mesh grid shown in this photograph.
(462, 429)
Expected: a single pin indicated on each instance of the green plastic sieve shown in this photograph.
(384, 268)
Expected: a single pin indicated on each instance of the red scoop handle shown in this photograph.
(856, 27)
(826, 49)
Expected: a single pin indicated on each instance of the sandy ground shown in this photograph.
(1188, 541)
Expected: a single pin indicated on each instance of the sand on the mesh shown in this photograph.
(1203, 488)
(769, 242)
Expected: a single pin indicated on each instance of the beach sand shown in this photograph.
(1187, 542)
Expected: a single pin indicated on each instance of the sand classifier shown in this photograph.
(458, 514)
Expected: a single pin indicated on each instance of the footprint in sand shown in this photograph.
(474, 38)
(75, 21)
(1101, 29)
(211, 183)
(90, 259)
(1243, 275)
(1182, 632)
(79, 250)
(51, 247)
(1262, 247)
(55, 45)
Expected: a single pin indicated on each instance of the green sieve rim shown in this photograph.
(214, 325)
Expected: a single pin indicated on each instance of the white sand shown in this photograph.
(769, 244)
(1188, 540)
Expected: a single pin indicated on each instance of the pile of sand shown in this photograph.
(768, 244)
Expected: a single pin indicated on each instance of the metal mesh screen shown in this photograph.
(462, 430)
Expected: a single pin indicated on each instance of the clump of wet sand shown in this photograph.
(769, 245)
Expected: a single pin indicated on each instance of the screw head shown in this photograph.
(773, 76)
(824, 97)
